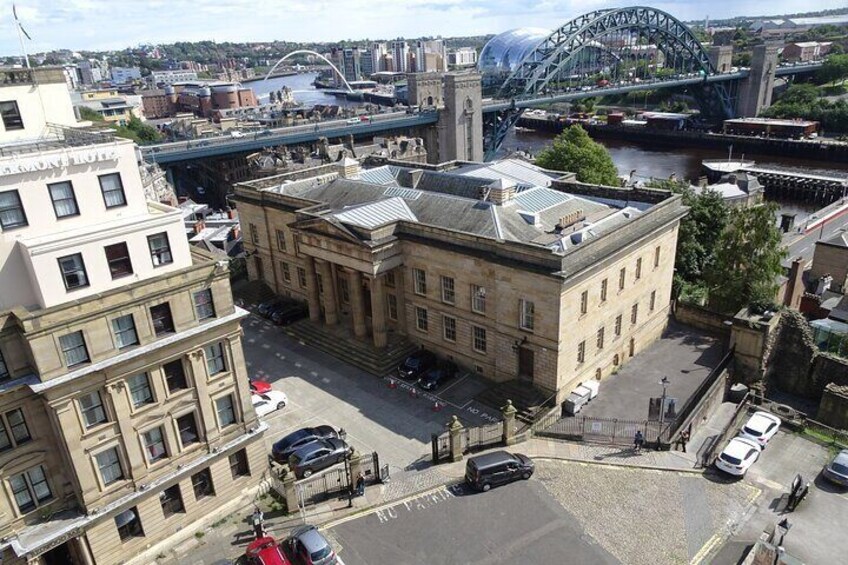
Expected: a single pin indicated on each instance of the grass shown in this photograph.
(221, 522)
(834, 442)
(199, 535)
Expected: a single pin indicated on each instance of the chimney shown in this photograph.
(199, 226)
(414, 177)
(501, 191)
(348, 168)
(232, 214)
(570, 219)
(823, 284)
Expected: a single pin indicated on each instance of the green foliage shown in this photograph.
(87, 113)
(804, 101)
(697, 237)
(747, 260)
(834, 68)
(139, 132)
(573, 150)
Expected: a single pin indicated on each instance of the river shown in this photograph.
(301, 85)
(646, 161)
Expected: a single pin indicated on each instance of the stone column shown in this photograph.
(400, 288)
(123, 416)
(508, 413)
(81, 550)
(206, 413)
(378, 312)
(312, 291)
(331, 317)
(290, 494)
(455, 428)
(357, 303)
(66, 425)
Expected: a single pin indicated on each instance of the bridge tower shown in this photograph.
(458, 135)
(755, 91)
(721, 57)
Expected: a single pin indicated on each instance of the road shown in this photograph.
(804, 244)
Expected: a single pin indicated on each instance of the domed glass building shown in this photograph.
(504, 52)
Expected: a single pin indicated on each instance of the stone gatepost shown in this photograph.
(355, 459)
(455, 429)
(290, 493)
(508, 413)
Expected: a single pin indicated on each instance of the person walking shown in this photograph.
(684, 439)
(638, 440)
(360, 484)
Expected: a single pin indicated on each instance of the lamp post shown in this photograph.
(664, 382)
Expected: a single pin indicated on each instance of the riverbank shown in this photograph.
(816, 150)
(275, 75)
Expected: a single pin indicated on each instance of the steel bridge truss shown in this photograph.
(615, 45)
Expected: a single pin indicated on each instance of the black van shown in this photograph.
(492, 469)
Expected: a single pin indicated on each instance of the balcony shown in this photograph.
(57, 137)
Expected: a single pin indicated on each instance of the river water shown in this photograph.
(647, 161)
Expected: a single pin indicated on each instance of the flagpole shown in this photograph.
(20, 37)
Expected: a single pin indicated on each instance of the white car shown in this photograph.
(761, 427)
(738, 456)
(268, 402)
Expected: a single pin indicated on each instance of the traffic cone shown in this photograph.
(392, 384)
(413, 392)
(437, 407)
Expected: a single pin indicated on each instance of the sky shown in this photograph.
(116, 24)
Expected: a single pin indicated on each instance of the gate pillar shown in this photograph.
(508, 412)
(455, 428)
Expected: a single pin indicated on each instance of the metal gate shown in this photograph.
(607, 430)
(440, 445)
(324, 486)
(482, 437)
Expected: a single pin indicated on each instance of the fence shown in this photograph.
(605, 430)
(324, 486)
(336, 482)
(708, 450)
(440, 445)
(482, 437)
(711, 388)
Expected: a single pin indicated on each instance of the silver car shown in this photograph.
(307, 546)
(837, 470)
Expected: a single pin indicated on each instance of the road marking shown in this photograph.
(298, 365)
(453, 384)
(313, 373)
(402, 502)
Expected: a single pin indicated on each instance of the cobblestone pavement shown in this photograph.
(646, 516)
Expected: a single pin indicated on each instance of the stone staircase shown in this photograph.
(526, 399)
(342, 345)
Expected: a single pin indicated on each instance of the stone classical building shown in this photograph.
(491, 265)
(125, 416)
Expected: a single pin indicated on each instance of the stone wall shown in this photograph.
(794, 363)
(833, 409)
(650, 195)
(701, 318)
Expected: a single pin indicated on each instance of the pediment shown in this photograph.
(327, 227)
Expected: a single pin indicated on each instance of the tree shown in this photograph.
(698, 234)
(87, 113)
(834, 68)
(747, 260)
(574, 151)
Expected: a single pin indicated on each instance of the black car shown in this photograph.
(416, 364)
(500, 467)
(283, 448)
(436, 376)
(289, 314)
(317, 456)
(267, 307)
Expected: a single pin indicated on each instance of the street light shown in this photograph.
(664, 382)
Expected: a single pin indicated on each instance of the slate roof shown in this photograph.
(377, 213)
(517, 170)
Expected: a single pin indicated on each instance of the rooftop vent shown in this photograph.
(570, 219)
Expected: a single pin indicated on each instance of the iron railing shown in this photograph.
(57, 136)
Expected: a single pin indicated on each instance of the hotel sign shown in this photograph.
(21, 166)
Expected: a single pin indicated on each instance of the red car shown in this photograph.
(265, 551)
(258, 386)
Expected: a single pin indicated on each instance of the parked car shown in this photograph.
(235, 134)
(837, 470)
(492, 469)
(738, 456)
(258, 386)
(265, 551)
(416, 364)
(265, 132)
(436, 376)
(295, 440)
(317, 456)
(282, 306)
(760, 427)
(353, 121)
(268, 402)
(307, 546)
(265, 307)
(292, 313)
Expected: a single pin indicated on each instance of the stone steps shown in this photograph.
(528, 401)
(380, 362)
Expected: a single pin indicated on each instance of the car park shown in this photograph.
(295, 440)
(269, 401)
(416, 364)
(436, 376)
(317, 456)
(307, 546)
(760, 427)
(265, 551)
(837, 470)
(258, 386)
(290, 313)
(738, 456)
(497, 468)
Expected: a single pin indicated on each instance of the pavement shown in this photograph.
(684, 355)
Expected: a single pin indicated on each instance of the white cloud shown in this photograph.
(111, 24)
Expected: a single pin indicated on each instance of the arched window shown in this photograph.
(597, 374)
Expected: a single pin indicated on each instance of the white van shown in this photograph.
(580, 396)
